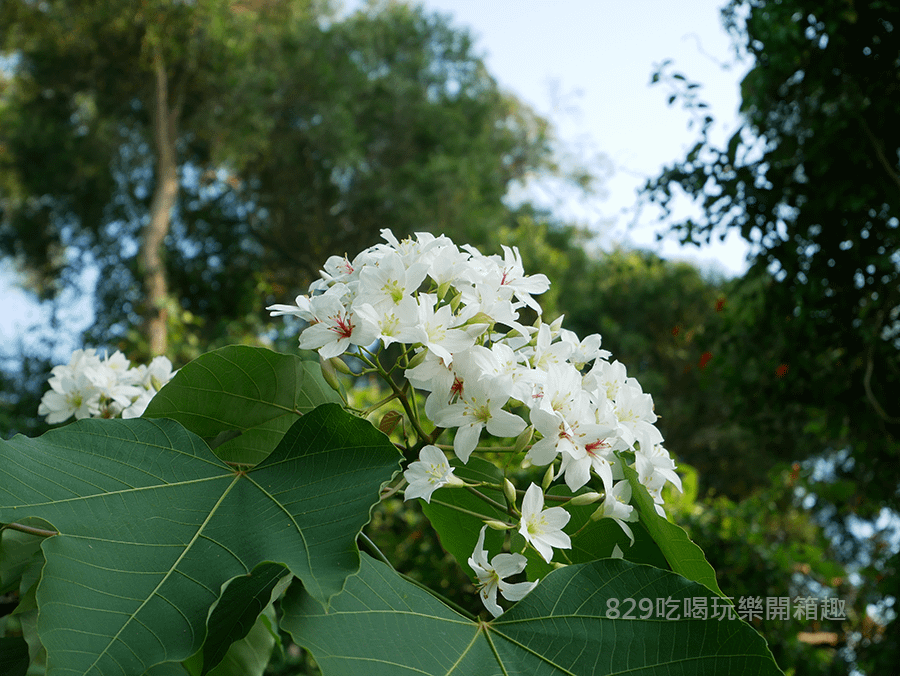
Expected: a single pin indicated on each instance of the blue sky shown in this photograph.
(587, 64)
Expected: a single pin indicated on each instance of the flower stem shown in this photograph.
(490, 501)
(460, 509)
(29, 529)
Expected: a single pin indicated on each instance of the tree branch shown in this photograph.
(891, 171)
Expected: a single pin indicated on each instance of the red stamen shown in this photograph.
(342, 326)
(592, 447)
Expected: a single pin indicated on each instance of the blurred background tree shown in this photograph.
(812, 179)
(201, 156)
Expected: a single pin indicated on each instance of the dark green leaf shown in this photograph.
(684, 557)
(152, 525)
(573, 623)
(237, 611)
(13, 656)
(248, 390)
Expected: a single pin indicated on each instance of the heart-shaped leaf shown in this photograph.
(152, 525)
(576, 622)
(243, 399)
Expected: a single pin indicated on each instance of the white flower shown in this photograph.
(655, 461)
(542, 528)
(335, 328)
(490, 576)
(70, 395)
(428, 473)
(436, 330)
(301, 309)
(513, 276)
(389, 282)
(480, 405)
(616, 507)
(634, 411)
(137, 408)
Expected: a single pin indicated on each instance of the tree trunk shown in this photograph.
(165, 194)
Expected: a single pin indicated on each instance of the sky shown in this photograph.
(586, 65)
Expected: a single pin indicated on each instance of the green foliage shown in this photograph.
(812, 180)
(237, 383)
(808, 350)
(683, 555)
(174, 558)
(765, 545)
(572, 624)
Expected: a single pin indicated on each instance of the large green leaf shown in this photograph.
(152, 525)
(251, 390)
(685, 557)
(382, 625)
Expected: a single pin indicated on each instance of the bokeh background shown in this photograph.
(714, 188)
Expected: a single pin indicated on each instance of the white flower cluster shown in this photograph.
(457, 312)
(93, 387)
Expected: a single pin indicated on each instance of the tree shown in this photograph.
(206, 157)
(812, 179)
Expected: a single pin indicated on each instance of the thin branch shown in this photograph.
(460, 509)
(891, 171)
(870, 394)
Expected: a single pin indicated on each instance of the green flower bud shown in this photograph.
(524, 438)
(548, 478)
(417, 359)
(497, 525)
(585, 499)
(340, 366)
(329, 375)
(455, 301)
(509, 491)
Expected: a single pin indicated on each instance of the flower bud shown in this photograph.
(329, 375)
(509, 491)
(524, 438)
(548, 478)
(340, 366)
(585, 499)
(497, 525)
(417, 359)
(455, 301)
(480, 318)
(598, 513)
(443, 289)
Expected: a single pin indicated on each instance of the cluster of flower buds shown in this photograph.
(93, 387)
(456, 314)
